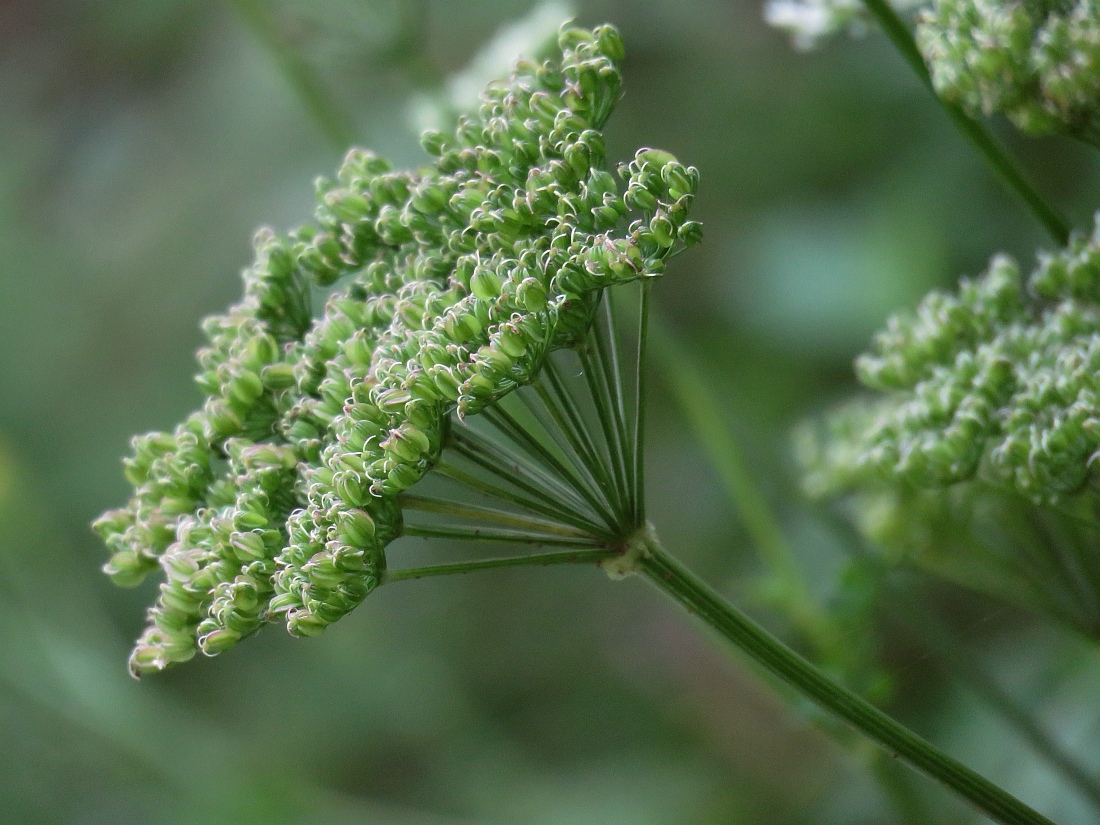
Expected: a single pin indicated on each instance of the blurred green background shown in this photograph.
(141, 144)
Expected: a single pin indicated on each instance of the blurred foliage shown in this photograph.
(142, 144)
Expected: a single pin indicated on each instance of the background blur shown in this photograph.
(141, 144)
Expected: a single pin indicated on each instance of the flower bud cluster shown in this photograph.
(450, 286)
(999, 382)
(1036, 61)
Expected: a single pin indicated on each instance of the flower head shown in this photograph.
(977, 454)
(1036, 61)
(451, 285)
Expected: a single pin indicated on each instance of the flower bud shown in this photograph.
(247, 546)
(691, 233)
(434, 143)
(485, 284)
(357, 528)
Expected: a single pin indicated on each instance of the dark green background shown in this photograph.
(141, 144)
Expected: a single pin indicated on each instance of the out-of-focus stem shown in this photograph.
(999, 160)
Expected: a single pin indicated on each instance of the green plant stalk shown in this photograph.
(554, 426)
(537, 560)
(931, 632)
(1010, 173)
(579, 429)
(698, 405)
(1018, 718)
(935, 635)
(650, 559)
(506, 535)
(638, 458)
(501, 518)
(542, 507)
(704, 416)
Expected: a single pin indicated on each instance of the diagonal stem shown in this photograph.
(669, 575)
(1013, 713)
(1010, 173)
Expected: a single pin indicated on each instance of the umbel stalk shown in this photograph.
(670, 576)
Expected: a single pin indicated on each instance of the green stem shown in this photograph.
(609, 356)
(1040, 740)
(543, 506)
(1006, 168)
(693, 395)
(494, 458)
(537, 560)
(699, 598)
(541, 406)
(508, 425)
(491, 534)
(935, 635)
(578, 426)
(597, 388)
(638, 458)
(503, 518)
(300, 75)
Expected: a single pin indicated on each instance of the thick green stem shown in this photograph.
(1003, 165)
(1040, 740)
(650, 559)
(935, 635)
